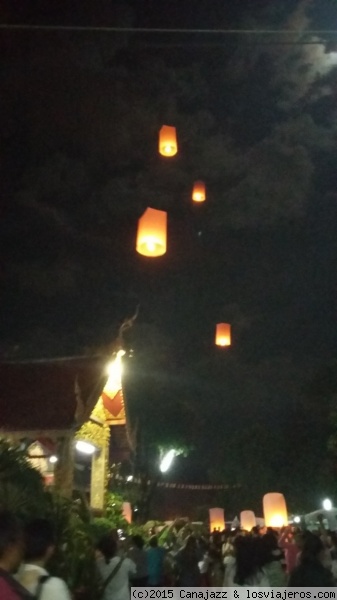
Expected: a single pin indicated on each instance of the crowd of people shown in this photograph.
(291, 557)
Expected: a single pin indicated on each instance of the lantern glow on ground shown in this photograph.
(223, 334)
(152, 233)
(168, 141)
(275, 510)
(199, 192)
(216, 519)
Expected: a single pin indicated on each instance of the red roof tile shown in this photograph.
(42, 395)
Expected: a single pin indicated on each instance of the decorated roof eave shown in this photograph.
(36, 433)
(84, 410)
(131, 431)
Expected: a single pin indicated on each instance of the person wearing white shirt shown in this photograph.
(115, 571)
(40, 546)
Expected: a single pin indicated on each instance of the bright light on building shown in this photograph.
(129, 478)
(297, 519)
(167, 461)
(114, 370)
(327, 504)
(85, 447)
(53, 459)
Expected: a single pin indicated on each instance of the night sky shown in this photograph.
(256, 119)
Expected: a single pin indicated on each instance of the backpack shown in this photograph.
(15, 586)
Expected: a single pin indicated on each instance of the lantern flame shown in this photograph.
(199, 192)
(151, 245)
(151, 235)
(168, 141)
(223, 334)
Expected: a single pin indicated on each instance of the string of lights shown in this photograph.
(182, 486)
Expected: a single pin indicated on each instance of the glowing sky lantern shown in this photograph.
(223, 334)
(199, 192)
(152, 233)
(168, 141)
(275, 510)
(247, 520)
(216, 519)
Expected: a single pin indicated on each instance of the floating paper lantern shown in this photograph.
(216, 519)
(247, 520)
(223, 334)
(275, 510)
(127, 511)
(199, 192)
(168, 141)
(151, 234)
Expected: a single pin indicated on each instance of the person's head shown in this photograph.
(299, 538)
(312, 548)
(11, 542)
(39, 541)
(246, 554)
(190, 544)
(107, 546)
(271, 540)
(229, 537)
(137, 541)
(267, 548)
(217, 539)
(153, 541)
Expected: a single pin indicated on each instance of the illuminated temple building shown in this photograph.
(49, 406)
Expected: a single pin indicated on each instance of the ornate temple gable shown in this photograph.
(109, 409)
(112, 399)
(64, 401)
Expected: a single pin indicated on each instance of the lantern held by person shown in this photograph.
(223, 334)
(275, 510)
(247, 520)
(216, 519)
(127, 512)
(168, 141)
(199, 192)
(151, 234)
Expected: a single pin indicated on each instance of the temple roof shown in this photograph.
(50, 395)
